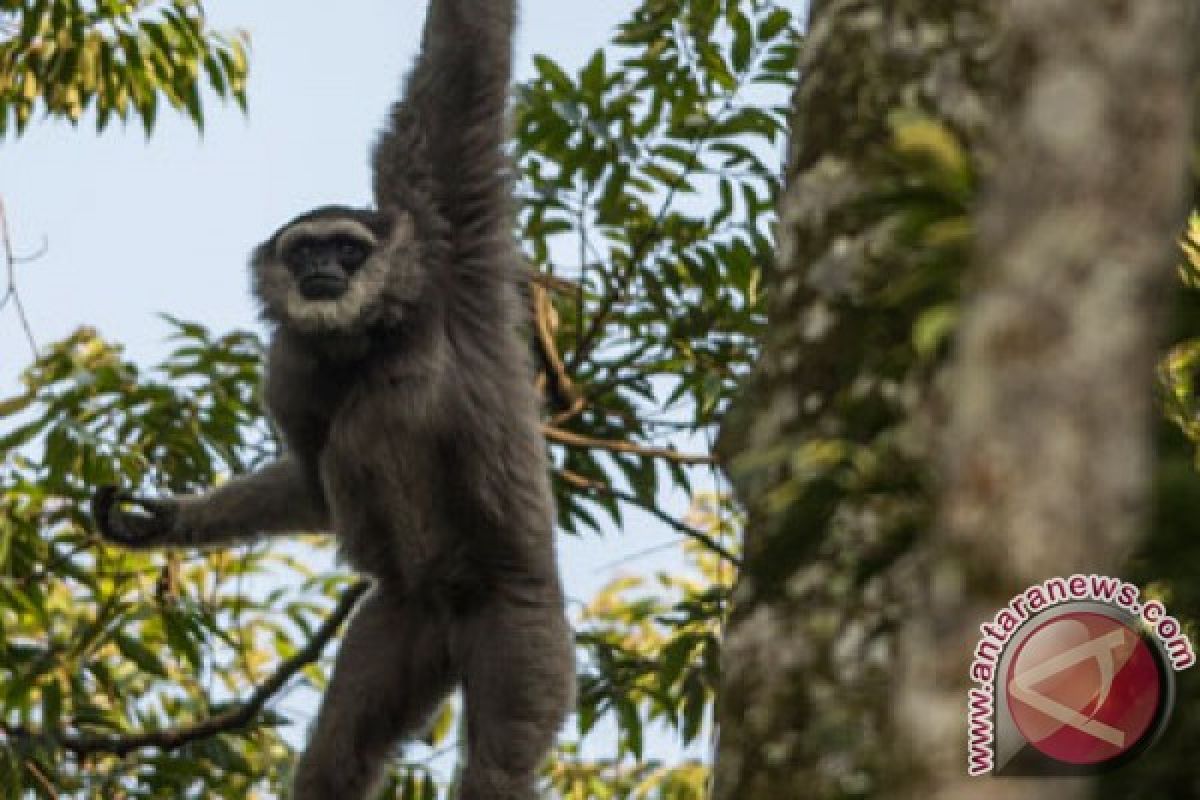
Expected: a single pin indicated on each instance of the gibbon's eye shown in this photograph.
(301, 254)
(351, 253)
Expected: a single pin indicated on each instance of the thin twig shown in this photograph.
(39, 776)
(580, 482)
(35, 255)
(235, 718)
(559, 436)
(550, 282)
(584, 244)
(609, 566)
(10, 290)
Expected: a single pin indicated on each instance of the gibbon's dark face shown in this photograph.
(322, 265)
(338, 269)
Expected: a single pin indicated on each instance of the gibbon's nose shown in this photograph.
(322, 279)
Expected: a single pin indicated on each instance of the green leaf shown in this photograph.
(141, 655)
(743, 42)
(774, 23)
(51, 704)
(553, 73)
(591, 79)
(933, 327)
(631, 726)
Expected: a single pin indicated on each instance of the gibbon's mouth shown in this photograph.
(322, 287)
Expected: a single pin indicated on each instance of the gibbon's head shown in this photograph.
(338, 270)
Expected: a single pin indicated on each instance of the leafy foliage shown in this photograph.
(120, 58)
(1181, 367)
(654, 649)
(99, 640)
(1165, 565)
(654, 659)
(647, 183)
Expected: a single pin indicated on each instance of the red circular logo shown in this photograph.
(1084, 688)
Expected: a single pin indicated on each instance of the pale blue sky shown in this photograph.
(137, 226)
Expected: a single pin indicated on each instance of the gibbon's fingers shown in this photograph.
(146, 521)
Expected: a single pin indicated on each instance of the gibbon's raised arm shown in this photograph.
(444, 139)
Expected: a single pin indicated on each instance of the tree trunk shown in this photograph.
(829, 447)
(833, 447)
(1048, 459)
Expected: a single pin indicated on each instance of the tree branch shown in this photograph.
(235, 718)
(33, 769)
(554, 381)
(551, 283)
(559, 436)
(10, 292)
(580, 482)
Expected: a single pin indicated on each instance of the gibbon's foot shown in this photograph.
(147, 521)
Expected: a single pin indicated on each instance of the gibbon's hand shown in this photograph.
(147, 523)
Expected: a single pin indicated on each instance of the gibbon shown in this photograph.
(402, 387)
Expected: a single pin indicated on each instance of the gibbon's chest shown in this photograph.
(319, 404)
(303, 394)
(382, 474)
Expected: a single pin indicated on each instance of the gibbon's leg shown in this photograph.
(392, 670)
(518, 685)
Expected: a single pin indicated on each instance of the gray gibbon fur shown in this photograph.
(402, 386)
